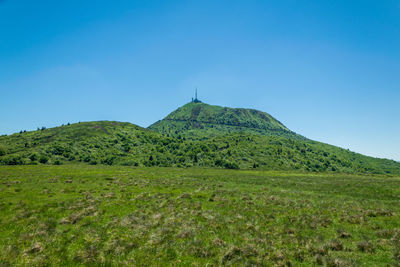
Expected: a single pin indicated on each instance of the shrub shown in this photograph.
(109, 160)
(2, 151)
(129, 162)
(57, 149)
(230, 165)
(13, 160)
(218, 162)
(43, 159)
(33, 157)
(126, 147)
(226, 164)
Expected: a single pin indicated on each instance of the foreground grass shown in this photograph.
(95, 215)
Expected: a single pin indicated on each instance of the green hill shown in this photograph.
(101, 142)
(200, 119)
(117, 143)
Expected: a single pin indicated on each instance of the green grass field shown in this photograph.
(113, 215)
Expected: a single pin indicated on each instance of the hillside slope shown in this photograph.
(91, 142)
(116, 143)
(200, 119)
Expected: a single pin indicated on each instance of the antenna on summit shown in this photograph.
(196, 100)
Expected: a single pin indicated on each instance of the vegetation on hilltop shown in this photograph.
(116, 143)
(197, 120)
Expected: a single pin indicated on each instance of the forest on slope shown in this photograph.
(117, 143)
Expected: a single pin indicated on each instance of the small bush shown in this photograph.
(43, 159)
(230, 165)
(109, 160)
(33, 157)
(2, 151)
(13, 160)
(226, 164)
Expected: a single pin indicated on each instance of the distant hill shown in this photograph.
(117, 143)
(200, 120)
(101, 142)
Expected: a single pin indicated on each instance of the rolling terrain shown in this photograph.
(196, 134)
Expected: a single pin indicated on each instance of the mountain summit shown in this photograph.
(199, 119)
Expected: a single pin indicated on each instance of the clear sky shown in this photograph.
(329, 70)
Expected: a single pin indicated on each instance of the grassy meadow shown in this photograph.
(136, 216)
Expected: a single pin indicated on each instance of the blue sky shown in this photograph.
(329, 70)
